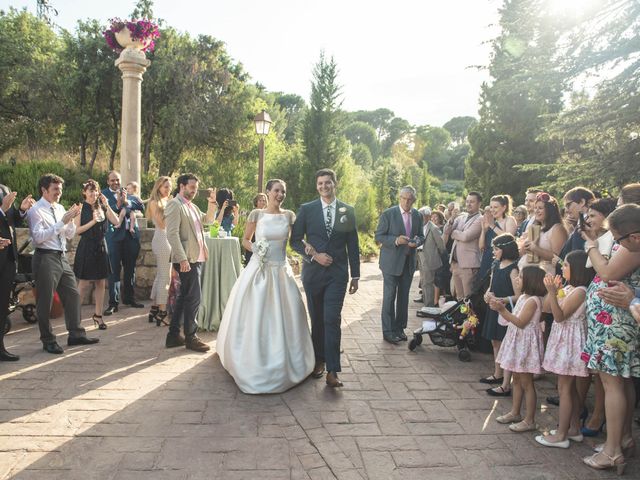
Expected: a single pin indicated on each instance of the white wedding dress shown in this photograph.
(264, 340)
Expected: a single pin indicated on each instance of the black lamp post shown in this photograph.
(263, 124)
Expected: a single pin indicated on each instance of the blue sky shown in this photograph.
(410, 56)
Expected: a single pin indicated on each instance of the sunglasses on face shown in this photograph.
(624, 237)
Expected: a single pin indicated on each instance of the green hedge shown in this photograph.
(23, 178)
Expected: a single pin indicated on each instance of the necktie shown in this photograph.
(329, 223)
(55, 219)
(407, 223)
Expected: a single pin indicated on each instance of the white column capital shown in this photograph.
(132, 62)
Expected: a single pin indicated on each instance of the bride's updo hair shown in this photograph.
(273, 181)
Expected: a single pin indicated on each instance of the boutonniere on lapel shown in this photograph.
(343, 217)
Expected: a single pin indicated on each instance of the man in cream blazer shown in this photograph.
(465, 230)
(189, 251)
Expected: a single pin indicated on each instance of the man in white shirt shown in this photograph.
(51, 226)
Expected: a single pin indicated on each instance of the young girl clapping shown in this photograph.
(566, 341)
(522, 348)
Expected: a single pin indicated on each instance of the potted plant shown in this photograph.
(136, 34)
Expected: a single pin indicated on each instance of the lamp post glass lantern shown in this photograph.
(263, 124)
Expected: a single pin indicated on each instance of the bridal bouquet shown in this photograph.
(260, 249)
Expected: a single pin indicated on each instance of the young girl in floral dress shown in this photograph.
(522, 348)
(566, 341)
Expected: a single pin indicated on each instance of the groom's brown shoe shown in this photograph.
(332, 380)
(318, 370)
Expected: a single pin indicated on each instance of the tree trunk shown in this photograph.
(94, 154)
(146, 147)
(83, 150)
(114, 138)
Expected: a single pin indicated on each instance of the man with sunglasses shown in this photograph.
(624, 223)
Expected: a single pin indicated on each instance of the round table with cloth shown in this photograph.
(219, 274)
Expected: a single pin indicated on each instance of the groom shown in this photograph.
(331, 241)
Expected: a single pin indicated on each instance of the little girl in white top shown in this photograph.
(522, 349)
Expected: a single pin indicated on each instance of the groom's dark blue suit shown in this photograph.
(325, 287)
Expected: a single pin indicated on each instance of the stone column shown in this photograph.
(133, 63)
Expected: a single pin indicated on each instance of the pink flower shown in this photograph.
(596, 279)
(584, 356)
(604, 318)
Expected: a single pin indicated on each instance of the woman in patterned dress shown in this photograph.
(612, 350)
(160, 195)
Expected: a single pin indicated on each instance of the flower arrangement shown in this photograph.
(214, 228)
(142, 30)
(260, 249)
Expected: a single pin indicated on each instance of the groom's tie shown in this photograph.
(329, 223)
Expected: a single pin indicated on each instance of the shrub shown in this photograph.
(23, 178)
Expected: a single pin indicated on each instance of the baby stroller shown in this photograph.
(452, 325)
(22, 282)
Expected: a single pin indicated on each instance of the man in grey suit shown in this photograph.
(399, 233)
(429, 258)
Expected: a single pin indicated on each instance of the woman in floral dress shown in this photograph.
(612, 351)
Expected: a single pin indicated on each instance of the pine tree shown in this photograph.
(324, 142)
(518, 104)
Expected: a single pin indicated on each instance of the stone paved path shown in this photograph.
(130, 409)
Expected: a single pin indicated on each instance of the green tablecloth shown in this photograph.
(219, 273)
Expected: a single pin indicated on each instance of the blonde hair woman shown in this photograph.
(160, 195)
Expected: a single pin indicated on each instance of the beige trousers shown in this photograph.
(462, 280)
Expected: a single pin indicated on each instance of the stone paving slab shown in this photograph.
(128, 408)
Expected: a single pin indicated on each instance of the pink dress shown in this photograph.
(522, 349)
(566, 341)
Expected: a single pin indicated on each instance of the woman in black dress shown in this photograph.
(91, 263)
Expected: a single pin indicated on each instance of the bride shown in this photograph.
(264, 340)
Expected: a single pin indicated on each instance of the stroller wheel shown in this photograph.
(464, 355)
(413, 344)
(29, 313)
(7, 326)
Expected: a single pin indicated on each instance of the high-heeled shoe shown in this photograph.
(628, 448)
(616, 462)
(160, 318)
(153, 312)
(98, 322)
(588, 432)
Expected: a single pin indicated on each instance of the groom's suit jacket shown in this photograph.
(342, 246)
